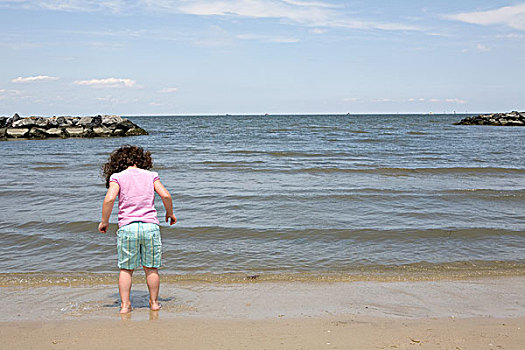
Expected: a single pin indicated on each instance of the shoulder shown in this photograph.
(154, 175)
(115, 177)
(151, 174)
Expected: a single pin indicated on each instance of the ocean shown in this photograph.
(279, 197)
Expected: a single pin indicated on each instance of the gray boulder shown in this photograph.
(135, 131)
(63, 122)
(24, 122)
(55, 132)
(102, 131)
(111, 120)
(74, 131)
(42, 122)
(118, 132)
(85, 121)
(125, 124)
(17, 132)
(37, 133)
(52, 122)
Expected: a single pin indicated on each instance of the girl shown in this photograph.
(138, 237)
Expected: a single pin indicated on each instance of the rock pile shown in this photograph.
(42, 127)
(505, 119)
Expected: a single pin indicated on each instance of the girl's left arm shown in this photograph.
(107, 206)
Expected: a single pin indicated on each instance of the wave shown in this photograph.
(458, 270)
(386, 171)
(72, 229)
(364, 235)
(487, 194)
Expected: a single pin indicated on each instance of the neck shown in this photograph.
(132, 167)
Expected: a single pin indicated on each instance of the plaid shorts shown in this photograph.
(139, 244)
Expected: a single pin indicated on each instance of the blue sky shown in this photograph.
(146, 57)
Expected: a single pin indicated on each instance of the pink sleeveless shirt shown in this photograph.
(136, 196)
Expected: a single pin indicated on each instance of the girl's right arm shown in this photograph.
(107, 206)
(166, 200)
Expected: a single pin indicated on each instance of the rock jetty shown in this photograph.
(503, 119)
(17, 127)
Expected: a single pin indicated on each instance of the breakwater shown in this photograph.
(497, 119)
(17, 127)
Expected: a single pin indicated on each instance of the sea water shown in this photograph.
(279, 197)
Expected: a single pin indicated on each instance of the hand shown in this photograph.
(172, 217)
(103, 227)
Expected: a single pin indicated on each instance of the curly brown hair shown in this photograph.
(124, 157)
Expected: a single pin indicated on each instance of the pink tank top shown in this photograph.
(136, 196)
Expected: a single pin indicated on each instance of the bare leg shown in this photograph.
(153, 282)
(124, 287)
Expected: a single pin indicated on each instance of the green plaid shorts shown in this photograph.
(139, 244)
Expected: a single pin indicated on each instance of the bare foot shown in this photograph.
(124, 309)
(154, 305)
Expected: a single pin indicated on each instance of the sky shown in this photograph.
(180, 57)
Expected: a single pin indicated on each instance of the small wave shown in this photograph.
(470, 171)
(69, 227)
(458, 270)
(245, 151)
(364, 235)
(292, 154)
(48, 168)
(410, 171)
(276, 131)
(241, 164)
(487, 194)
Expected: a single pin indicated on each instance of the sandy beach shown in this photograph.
(342, 332)
(485, 313)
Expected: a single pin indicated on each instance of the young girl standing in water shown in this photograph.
(138, 237)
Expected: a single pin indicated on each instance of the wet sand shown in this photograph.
(485, 313)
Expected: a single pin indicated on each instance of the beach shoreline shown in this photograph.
(499, 297)
(335, 332)
(485, 313)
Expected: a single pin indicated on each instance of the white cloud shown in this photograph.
(383, 100)
(482, 47)
(309, 3)
(307, 13)
(68, 5)
(434, 100)
(318, 31)
(267, 38)
(512, 16)
(168, 90)
(6, 94)
(455, 100)
(108, 99)
(511, 36)
(351, 99)
(33, 79)
(108, 83)
(315, 14)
